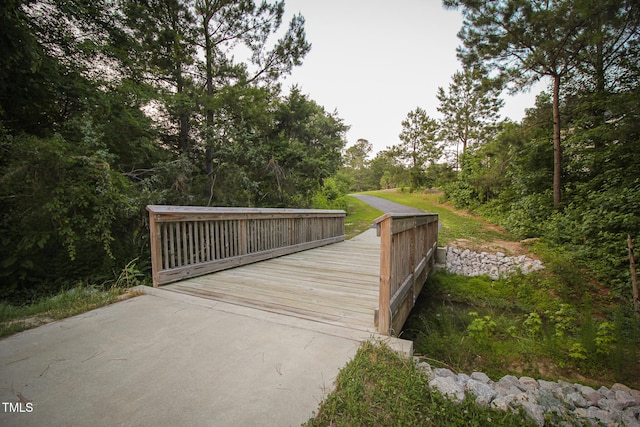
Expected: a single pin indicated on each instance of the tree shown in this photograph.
(223, 25)
(419, 143)
(608, 68)
(526, 41)
(105, 107)
(165, 37)
(469, 108)
(610, 58)
(355, 159)
(305, 148)
(47, 72)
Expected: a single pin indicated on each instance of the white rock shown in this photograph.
(483, 393)
(481, 376)
(448, 387)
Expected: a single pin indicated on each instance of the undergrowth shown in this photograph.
(380, 388)
(527, 325)
(67, 303)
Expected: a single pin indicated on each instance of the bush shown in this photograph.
(461, 194)
(330, 196)
(523, 323)
(66, 216)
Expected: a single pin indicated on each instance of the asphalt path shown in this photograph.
(386, 206)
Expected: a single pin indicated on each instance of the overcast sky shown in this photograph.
(374, 61)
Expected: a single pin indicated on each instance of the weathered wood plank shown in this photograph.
(386, 274)
(313, 300)
(303, 284)
(343, 320)
(191, 270)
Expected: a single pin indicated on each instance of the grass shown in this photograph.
(455, 224)
(380, 388)
(557, 323)
(553, 324)
(520, 326)
(14, 319)
(360, 216)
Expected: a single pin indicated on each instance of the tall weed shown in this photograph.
(526, 324)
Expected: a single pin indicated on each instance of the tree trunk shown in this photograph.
(183, 117)
(208, 47)
(634, 275)
(557, 149)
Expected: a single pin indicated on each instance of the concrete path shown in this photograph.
(386, 206)
(165, 359)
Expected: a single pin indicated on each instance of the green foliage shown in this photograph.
(355, 163)
(564, 320)
(529, 324)
(63, 212)
(511, 176)
(601, 190)
(482, 329)
(470, 109)
(107, 107)
(380, 388)
(461, 194)
(533, 324)
(130, 276)
(605, 338)
(330, 196)
(578, 352)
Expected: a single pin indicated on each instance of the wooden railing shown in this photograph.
(408, 244)
(188, 241)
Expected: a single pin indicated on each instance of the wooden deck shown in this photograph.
(336, 284)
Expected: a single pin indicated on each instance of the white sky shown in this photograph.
(374, 61)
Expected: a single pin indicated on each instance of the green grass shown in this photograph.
(475, 324)
(455, 225)
(360, 216)
(525, 325)
(380, 388)
(14, 319)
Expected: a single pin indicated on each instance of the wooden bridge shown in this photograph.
(307, 268)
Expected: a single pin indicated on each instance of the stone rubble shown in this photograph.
(496, 266)
(615, 406)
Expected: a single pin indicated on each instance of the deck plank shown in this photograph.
(336, 284)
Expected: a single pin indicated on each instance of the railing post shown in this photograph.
(156, 249)
(384, 312)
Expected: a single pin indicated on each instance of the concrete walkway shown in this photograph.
(385, 205)
(166, 359)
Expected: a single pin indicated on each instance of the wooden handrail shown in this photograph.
(188, 241)
(408, 244)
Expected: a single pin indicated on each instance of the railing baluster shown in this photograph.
(172, 244)
(165, 242)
